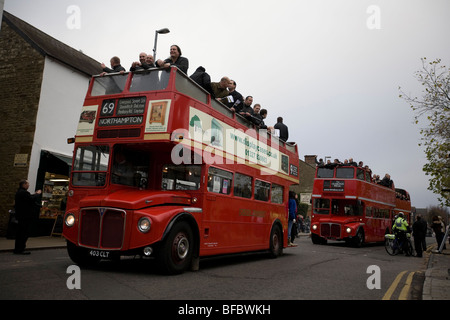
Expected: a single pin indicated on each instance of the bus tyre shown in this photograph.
(318, 239)
(81, 256)
(276, 242)
(358, 240)
(175, 253)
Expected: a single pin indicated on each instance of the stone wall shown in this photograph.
(21, 70)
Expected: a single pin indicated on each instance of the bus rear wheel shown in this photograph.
(276, 242)
(175, 254)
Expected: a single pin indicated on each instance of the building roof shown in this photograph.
(49, 46)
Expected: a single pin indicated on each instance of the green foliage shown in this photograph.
(434, 108)
(302, 209)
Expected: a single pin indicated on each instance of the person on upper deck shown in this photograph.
(203, 79)
(284, 132)
(235, 101)
(115, 66)
(256, 117)
(262, 116)
(220, 88)
(149, 61)
(386, 181)
(351, 162)
(247, 110)
(376, 179)
(320, 162)
(175, 59)
(145, 62)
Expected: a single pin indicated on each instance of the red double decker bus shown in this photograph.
(162, 170)
(347, 205)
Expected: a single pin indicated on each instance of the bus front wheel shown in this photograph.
(358, 240)
(316, 239)
(175, 254)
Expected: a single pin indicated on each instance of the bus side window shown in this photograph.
(262, 190)
(242, 186)
(360, 174)
(219, 181)
(277, 193)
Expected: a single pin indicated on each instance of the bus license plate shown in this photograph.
(99, 253)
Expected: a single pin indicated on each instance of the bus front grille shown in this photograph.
(330, 230)
(102, 228)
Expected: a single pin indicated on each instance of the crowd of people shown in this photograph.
(223, 91)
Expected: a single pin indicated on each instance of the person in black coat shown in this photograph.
(203, 79)
(25, 205)
(284, 132)
(419, 232)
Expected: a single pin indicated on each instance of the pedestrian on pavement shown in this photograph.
(438, 228)
(292, 216)
(25, 206)
(419, 232)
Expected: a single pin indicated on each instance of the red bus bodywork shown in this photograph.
(188, 195)
(348, 206)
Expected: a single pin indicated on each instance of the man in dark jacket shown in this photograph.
(25, 205)
(284, 132)
(419, 233)
(115, 65)
(203, 79)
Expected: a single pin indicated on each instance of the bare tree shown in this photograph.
(434, 107)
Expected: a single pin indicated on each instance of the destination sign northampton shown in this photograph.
(120, 121)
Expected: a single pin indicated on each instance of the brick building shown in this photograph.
(307, 171)
(43, 83)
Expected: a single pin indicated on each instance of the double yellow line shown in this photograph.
(404, 293)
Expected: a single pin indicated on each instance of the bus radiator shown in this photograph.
(330, 230)
(102, 228)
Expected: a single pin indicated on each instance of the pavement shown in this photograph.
(436, 285)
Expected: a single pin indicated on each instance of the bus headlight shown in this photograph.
(348, 230)
(314, 227)
(70, 220)
(144, 225)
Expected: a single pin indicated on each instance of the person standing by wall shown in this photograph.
(25, 205)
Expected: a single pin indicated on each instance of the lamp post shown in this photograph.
(162, 31)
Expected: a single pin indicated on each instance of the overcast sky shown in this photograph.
(330, 68)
